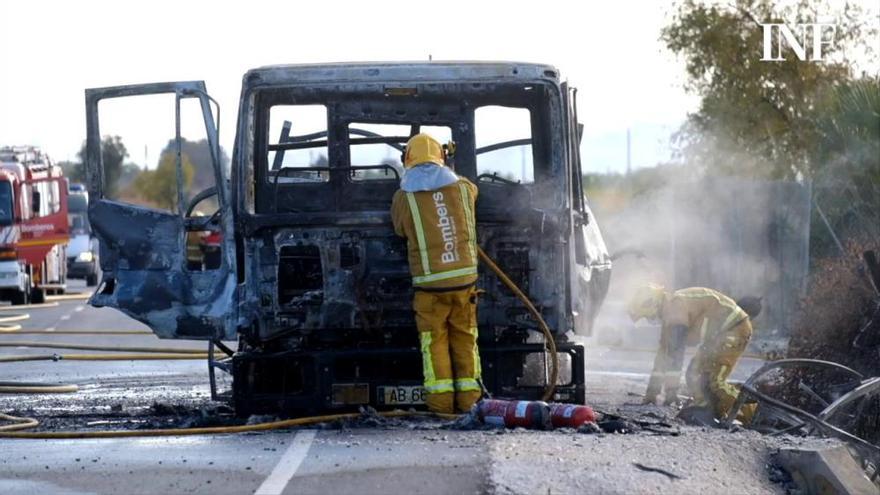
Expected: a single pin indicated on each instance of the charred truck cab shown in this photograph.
(312, 281)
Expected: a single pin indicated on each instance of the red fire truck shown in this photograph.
(33, 225)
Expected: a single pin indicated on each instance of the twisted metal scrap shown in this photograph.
(820, 422)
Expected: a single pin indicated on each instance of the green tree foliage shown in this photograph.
(72, 171)
(113, 154)
(130, 171)
(758, 118)
(850, 130)
(159, 186)
(847, 187)
(199, 154)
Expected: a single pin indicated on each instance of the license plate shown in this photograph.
(390, 395)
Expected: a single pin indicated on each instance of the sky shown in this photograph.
(51, 51)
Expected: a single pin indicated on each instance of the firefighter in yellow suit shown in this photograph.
(694, 316)
(434, 210)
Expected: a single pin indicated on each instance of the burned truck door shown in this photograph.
(591, 275)
(145, 255)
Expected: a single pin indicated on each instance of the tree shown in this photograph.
(847, 186)
(159, 186)
(199, 154)
(850, 129)
(757, 118)
(74, 171)
(113, 153)
(129, 173)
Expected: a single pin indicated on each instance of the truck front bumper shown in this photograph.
(302, 382)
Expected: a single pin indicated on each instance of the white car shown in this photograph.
(14, 283)
(82, 258)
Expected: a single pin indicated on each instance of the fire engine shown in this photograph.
(33, 225)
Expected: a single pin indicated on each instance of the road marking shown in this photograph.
(623, 374)
(79, 308)
(50, 329)
(65, 317)
(289, 463)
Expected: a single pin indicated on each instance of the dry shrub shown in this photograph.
(839, 302)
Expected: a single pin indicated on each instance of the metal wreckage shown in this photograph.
(802, 396)
(312, 281)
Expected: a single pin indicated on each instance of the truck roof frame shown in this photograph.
(400, 71)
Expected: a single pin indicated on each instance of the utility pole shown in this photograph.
(628, 151)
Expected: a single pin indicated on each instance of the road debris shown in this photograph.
(664, 472)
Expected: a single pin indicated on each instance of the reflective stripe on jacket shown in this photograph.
(706, 312)
(440, 229)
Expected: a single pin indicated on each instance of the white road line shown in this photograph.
(289, 463)
(624, 374)
(65, 317)
(79, 308)
(50, 329)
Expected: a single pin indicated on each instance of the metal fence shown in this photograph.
(742, 237)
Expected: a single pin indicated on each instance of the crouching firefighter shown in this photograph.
(434, 210)
(704, 317)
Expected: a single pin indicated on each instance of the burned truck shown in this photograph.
(312, 282)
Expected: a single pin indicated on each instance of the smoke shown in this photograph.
(741, 237)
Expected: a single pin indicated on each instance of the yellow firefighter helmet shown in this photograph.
(422, 148)
(646, 302)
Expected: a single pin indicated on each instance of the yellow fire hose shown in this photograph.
(76, 332)
(17, 423)
(73, 296)
(209, 430)
(549, 341)
(35, 388)
(7, 322)
(103, 357)
(84, 347)
(155, 353)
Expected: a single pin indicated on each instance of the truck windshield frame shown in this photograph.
(334, 188)
(7, 210)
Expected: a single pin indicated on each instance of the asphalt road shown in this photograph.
(398, 456)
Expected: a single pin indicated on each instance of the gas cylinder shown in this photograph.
(570, 415)
(534, 415)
